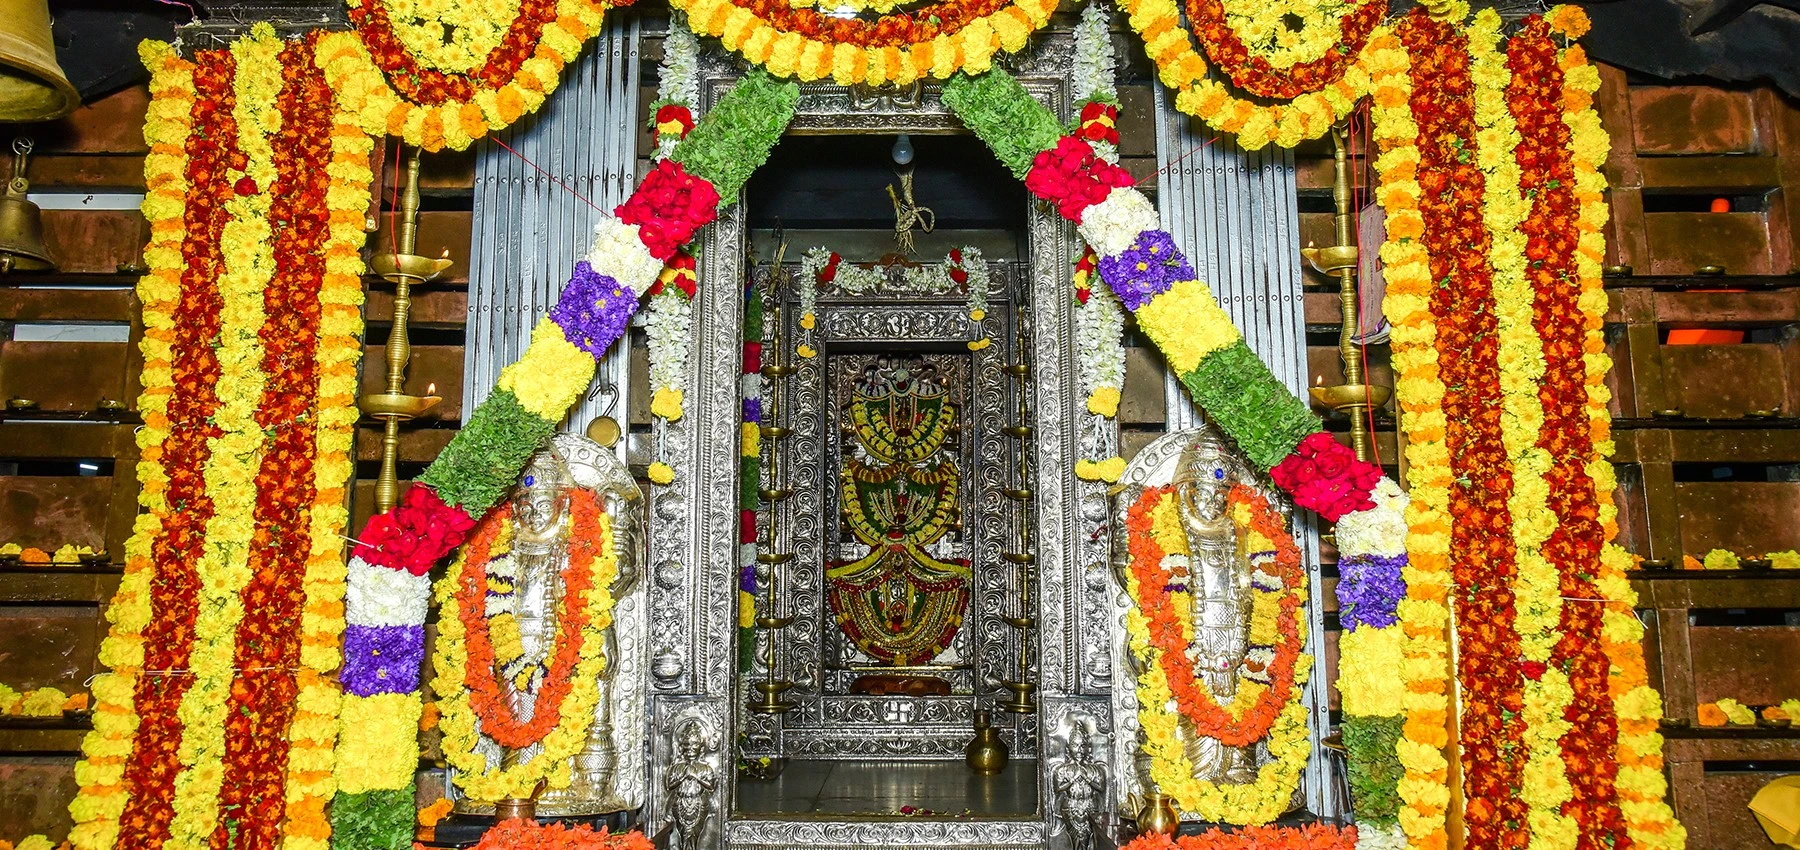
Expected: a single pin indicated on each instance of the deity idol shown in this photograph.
(607, 774)
(1216, 574)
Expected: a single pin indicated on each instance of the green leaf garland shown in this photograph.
(735, 136)
(374, 820)
(1375, 769)
(1239, 392)
(1013, 124)
(477, 468)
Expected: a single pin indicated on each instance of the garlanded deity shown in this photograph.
(1213, 638)
(525, 611)
(899, 603)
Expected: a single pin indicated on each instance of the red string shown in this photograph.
(547, 175)
(1202, 146)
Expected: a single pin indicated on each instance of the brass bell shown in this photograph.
(21, 223)
(32, 85)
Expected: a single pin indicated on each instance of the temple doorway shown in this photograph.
(890, 563)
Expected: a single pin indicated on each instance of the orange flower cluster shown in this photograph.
(1483, 560)
(530, 835)
(1169, 638)
(1257, 75)
(485, 693)
(1315, 836)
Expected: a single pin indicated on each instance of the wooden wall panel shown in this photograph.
(1724, 381)
(1691, 119)
(1681, 242)
(95, 241)
(1751, 664)
(438, 232)
(48, 511)
(70, 376)
(1729, 821)
(1742, 516)
(49, 645)
(34, 795)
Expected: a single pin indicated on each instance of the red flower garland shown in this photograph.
(668, 207)
(1325, 476)
(1153, 600)
(1482, 553)
(1547, 176)
(416, 534)
(1099, 122)
(148, 781)
(485, 694)
(1074, 177)
(1255, 74)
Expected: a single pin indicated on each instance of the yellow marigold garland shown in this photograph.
(1641, 785)
(793, 54)
(1424, 613)
(231, 473)
(167, 125)
(1170, 46)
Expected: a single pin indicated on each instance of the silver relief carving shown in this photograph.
(1077, 781)
(972, 835)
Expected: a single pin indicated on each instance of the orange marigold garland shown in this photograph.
(1258, 74)
(498, 721)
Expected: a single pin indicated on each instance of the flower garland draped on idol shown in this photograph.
(441, 75)
(216, 723)
(397, 549)
(1489, 164)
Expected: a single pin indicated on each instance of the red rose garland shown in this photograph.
(416, 534)
(668, 207)
(1099, 122)
(1325, 475)
(1074, 177)
(1255, 74)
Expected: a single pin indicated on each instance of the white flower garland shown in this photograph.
(678, 76)
(669, 318)
(667, 321)
(1099, 339)
(851, 279)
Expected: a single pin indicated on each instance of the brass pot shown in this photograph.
(986, 754)
(1158, 815)
(515, 808)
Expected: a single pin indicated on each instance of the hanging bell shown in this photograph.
(21, 223)
(32, 85)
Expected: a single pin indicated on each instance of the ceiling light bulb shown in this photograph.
(903, 150)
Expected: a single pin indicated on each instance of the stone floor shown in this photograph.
(946, 788)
